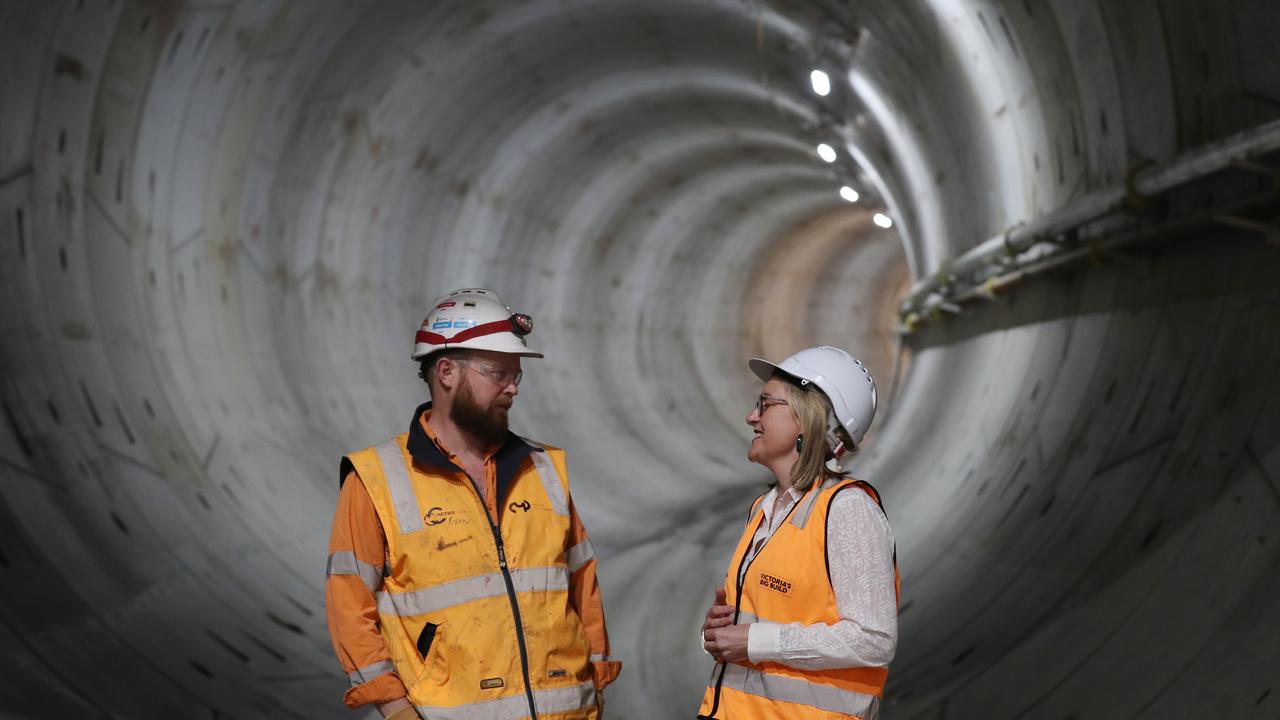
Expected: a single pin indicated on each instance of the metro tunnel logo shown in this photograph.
(436, 515)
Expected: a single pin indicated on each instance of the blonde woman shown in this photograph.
(806, 623)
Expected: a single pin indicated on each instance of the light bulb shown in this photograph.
(821, 83)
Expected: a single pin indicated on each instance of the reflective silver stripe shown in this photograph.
(550, 478)
(403, 498)
(542, 579)
(511, 707)
(745, 617)
(802, 692)
(514, 707)
(580, 555)
(800, 517)
(567, 699)
(418, 602)
(345, 563)
(599, 657)
(369, 672)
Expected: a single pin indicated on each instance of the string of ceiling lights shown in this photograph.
(821, 83)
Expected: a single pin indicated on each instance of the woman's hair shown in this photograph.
(810, 408)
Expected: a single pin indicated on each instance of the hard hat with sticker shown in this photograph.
(473, 319)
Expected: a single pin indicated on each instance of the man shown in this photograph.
(461, 583)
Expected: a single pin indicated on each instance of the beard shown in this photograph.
(488, 424)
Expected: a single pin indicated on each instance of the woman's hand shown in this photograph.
(723, 640)
(727, 644)
(719, 615)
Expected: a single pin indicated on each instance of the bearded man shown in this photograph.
(460, 581)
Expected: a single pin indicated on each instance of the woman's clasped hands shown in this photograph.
(723, 640)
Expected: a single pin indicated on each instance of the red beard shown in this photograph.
(489, 424)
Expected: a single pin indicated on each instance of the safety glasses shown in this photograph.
(501, 377)
(764, 402)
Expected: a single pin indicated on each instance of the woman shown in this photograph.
(806, 623)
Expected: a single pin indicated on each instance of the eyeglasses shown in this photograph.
(764, 402)
(502, 377)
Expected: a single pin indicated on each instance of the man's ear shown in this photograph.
(446, 373)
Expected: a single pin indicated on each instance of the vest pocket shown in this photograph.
(435, 671)
(567, 650)
(424, 639)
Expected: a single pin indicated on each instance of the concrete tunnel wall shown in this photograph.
(223, 221)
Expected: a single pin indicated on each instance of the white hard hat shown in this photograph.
(840, 376)
(473, 319)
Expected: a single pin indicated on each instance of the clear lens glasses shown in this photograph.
(502, 377)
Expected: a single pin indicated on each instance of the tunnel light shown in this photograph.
(849, 194)
(821, 83)
(882, 220)
(826, 152)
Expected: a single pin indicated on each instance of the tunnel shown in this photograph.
(1049, 228)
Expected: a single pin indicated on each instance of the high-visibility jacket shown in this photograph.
(788, 582)
(474, 611)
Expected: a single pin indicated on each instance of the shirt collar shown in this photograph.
(766, 505)
(427, 449)
(791, 491)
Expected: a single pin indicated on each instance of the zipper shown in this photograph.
(511, 595)
(737, 599)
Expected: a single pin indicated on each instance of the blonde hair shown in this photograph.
(810, 409)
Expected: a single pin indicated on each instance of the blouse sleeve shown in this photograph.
(860, 552)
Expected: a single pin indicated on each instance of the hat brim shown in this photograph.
(765, 369)
(421, 352)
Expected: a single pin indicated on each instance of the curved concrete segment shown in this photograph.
(220, 224)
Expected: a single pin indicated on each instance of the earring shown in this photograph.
(799, 441)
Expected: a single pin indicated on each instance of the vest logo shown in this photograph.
(490, 683)
(523, 505)
(437, 515)
(776, 584)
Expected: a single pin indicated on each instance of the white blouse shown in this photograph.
(860, 553)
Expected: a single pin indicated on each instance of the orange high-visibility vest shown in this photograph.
(476, 617)
(788, 582)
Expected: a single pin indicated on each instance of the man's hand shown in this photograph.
(727, 644)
